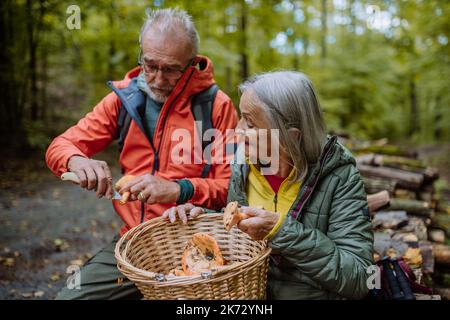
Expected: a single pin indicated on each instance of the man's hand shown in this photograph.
(93, 174)
(184, 211)
(260, 222)
(151, 189)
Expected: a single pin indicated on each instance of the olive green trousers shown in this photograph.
(99, 279)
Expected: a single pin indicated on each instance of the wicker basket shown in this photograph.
(147, 252)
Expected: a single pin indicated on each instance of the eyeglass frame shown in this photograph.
(163, 72)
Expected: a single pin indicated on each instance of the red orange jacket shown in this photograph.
(98, 129)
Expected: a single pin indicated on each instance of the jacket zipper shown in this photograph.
(275, 201)
(156, 151)
(312, 187)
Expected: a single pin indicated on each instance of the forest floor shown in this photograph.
(47, 225)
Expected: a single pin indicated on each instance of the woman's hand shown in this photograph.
(259, 223)
(184, 211)
(150, 189)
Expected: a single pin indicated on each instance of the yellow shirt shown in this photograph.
(260, 193)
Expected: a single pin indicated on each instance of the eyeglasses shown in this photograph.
(168, 72)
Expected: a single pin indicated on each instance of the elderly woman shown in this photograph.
(315, 214)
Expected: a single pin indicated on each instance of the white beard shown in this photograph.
(157, 97)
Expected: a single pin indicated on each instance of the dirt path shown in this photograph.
(44, 229)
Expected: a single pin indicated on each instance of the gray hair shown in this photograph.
(290, 101)
(165, 20)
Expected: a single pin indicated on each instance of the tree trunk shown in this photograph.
(416, 207)
(441, 254)
(398, 162)
(306, 40)
(44, 79)
(438, 120)
(243, 41)
(32, 64)
(386, 150)
(229, 79)
(442, 221)
(323, 36)
(404, 179)
(110, 73)
(414, 120)
(12, 134)
(405, 194)
(374, 185)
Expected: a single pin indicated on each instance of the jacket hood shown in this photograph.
(338, 156)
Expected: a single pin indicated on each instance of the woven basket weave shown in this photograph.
(147, 252)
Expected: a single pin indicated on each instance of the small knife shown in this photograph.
(72, 177)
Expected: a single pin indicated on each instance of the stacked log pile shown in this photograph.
(408, 219)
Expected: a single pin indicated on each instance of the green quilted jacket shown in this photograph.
(325, 245)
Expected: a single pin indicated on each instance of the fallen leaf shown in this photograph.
(101, 213)
(413, 256)
(60, 245)
(56, 193)
(88, 255)
(55, 277)
(392, 253)
(23, 225)
(9, 262)
(77, 262)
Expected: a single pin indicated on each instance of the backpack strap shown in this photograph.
(202, 107)
(123, 122)
(133, 103)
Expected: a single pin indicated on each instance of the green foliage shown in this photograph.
(382, 74)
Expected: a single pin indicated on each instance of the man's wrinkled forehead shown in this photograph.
(169, 46)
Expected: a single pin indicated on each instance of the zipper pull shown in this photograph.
(275, 201)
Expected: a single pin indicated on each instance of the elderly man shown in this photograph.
(143, 111)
